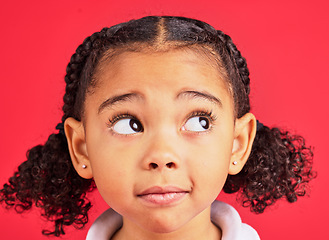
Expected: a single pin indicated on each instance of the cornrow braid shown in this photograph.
(242, 81)
(76, 77)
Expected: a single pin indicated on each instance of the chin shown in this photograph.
(162, 229)
(163, 225)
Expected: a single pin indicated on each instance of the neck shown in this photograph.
(200, 227)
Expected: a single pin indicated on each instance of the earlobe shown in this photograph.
(75, 135)
(244, 135)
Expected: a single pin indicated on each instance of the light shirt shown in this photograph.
(223, 216)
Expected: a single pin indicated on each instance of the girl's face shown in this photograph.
(159, 132)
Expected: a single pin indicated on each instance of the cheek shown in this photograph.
(111, 171)
(211, 165)
(112, 183)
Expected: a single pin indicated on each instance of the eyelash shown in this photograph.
(203, 113)
(120, 116)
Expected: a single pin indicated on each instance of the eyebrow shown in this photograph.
(117, 99)
(130, 96)
(202, 95)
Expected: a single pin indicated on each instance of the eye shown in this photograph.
(197, 124)
(128, 126)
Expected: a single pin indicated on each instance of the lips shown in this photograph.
(162, 195)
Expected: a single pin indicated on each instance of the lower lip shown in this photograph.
(163, 198)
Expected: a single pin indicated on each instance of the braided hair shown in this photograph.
(280, 164)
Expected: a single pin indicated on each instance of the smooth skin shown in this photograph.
(160, 122)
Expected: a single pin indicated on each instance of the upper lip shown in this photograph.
(161, 190)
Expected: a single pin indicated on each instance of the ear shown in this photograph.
(244, 135)
(75, 135)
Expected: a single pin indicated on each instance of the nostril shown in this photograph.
(170, 165)
(153, 165)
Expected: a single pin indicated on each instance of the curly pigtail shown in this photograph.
(48, 178)
(280, 164)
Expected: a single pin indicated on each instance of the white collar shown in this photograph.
(223, 215)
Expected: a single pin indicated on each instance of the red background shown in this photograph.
(286, 44)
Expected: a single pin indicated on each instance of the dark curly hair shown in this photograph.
(280, 165)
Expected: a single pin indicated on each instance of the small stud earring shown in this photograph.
(84, 166)
(235, 163)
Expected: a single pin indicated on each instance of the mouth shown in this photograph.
(162, 195)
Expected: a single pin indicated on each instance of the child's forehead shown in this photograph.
(164, 73)
(193, 59)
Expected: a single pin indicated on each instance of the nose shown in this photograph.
(161, 154)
